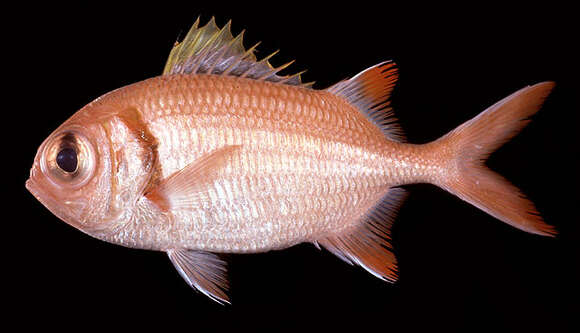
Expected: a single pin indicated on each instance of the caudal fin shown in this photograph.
(472, 142)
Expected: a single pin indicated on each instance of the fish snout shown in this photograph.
(29, 185)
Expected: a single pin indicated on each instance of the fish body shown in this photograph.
(305, 162)
(222, 155)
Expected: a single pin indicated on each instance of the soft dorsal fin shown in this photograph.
(370, 92)
(213, 50)
(203, 271)
(368, 245)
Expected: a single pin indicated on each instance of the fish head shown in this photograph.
(71, 173)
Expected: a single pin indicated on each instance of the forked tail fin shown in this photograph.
(471, 143)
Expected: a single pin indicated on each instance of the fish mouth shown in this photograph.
(45, 199)
(31, 187)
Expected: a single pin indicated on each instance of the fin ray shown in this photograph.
(203, 271)
(187, 187)
(370, 92)
(471, 144)
(369, 244)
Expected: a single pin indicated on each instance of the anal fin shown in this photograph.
(368, 245)
(203, 271)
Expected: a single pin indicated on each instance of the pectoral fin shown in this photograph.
(188, 186)
(203, 271)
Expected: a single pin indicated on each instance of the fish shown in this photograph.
(222, 154)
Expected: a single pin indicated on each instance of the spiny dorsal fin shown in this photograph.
(370, 92)
(369, 244)
(213, 50)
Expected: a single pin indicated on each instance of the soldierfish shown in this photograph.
(222, 154)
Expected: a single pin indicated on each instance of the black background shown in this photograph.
(460, 269)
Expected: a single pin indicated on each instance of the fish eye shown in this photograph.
(68, 159)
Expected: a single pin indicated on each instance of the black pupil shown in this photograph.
(67, 159)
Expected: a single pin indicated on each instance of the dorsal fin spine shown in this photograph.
(224, 50)
(241, 58)
(213, 50)
(207, 49)
(263, 61)
(220, 56)
(290, 77)
(276, 70)
(197, 61)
